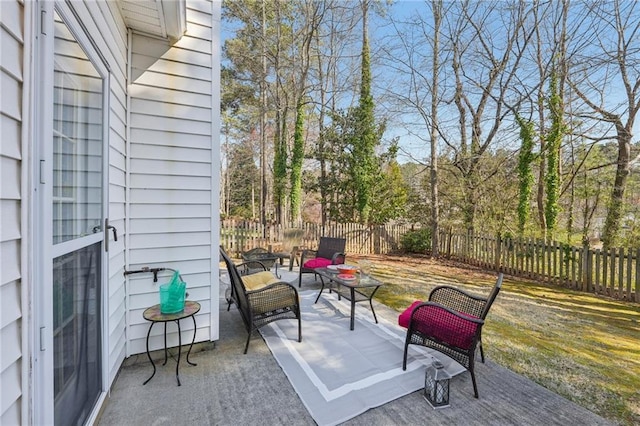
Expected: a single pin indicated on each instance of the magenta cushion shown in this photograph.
(446, 327)
(318, 262)
(442, 325)
(405, 317)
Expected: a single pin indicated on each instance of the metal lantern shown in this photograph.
(436, 385)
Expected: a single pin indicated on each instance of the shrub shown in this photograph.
(416, 241)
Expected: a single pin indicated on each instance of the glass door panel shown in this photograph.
(77, 139)
(77, 217)
(76, 328)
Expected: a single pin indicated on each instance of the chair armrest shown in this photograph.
(419, 312)
(338, 256)
(438, 323)
(458, 300)
(245, 266)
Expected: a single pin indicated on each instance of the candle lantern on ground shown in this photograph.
(436, 385)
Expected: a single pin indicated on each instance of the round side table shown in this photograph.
(154, 315)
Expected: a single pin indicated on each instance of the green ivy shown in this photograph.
(296, 162)
(553, 140)
(364, 157)
(525, 172)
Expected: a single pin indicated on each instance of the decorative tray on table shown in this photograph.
(347, 277)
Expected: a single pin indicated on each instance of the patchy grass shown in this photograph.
(583, 347)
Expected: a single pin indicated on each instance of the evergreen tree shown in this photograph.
(244, 176)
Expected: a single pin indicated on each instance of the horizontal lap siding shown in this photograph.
(11, 272)
(171, 168)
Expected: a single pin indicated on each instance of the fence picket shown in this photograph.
(621, 259)
(612, 272)
(637, 298)
(629, 272)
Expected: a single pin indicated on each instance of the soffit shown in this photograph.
(158, 18)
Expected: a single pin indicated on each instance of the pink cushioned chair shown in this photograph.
(330, 252)
(451, 323)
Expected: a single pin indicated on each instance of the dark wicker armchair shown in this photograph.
(263, 305)
(258, 258)
(330, 252)
(450, 322)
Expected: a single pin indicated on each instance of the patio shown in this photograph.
(227, 387)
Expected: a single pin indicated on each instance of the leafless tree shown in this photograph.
(488, 40)
(333, 75)
(606, 57)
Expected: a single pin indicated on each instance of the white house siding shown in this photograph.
(173, 180)
(173, 156)
(11, 196)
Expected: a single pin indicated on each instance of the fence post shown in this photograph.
(498, 252)
(586, 265)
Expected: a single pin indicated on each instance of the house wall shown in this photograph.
(12, 27)
(163, 180)
(173, 173)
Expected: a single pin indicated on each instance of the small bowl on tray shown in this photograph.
(347, 269)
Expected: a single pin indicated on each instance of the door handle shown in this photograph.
(106, 236)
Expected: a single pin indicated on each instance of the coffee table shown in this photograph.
(361, 289)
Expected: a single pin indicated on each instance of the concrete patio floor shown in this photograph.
(230, 388)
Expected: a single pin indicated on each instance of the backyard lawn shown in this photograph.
(583, 347)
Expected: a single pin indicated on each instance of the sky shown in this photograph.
(383, 36)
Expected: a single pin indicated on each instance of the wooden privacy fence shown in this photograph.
(613, 272)
(237, 236)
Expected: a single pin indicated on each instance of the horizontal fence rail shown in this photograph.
(612, 272)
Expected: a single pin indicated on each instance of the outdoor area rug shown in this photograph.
(339, 373)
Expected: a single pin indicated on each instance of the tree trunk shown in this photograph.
(435, 209)
(263, 124)
(614, 214)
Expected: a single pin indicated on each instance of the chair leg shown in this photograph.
(406, 349)
(246, 347)
(473, 377)
(299, 328)
(481, 351)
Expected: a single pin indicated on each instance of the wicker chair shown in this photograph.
(450, 322)
(330, 252)
(259, 258)
(245, 269)
(275, 301)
